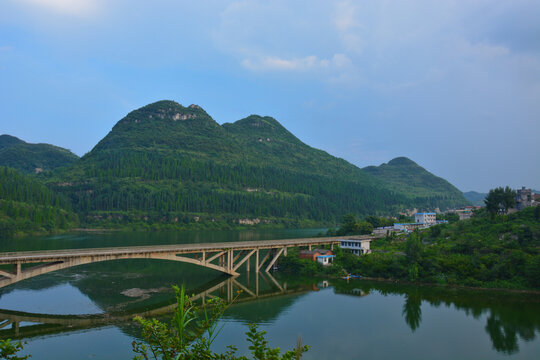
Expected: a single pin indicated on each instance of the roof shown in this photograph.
(326, 256)
(314, 251)
(425, 214)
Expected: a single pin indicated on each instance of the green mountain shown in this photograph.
(404, 176)
(475, 198)
(32, 158)
(172, 164)
(27, 206)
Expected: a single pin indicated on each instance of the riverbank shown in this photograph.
(446, 286)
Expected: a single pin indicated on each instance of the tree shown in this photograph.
(190, 337)
(500, 200)
(9, 350)
(351, 226)
(508, 199)
(413, 248)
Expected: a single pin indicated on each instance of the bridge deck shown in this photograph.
(56, 255)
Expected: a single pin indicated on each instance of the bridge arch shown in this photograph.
(225, 257)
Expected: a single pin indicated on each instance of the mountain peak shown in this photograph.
(165, 110)
(8, 140)
(401, 161)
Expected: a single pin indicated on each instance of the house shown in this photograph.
(524, 198)
(464, 213)
(356, 246)
(408, 226)
(323, 256)
(421, 221)
(427, 219)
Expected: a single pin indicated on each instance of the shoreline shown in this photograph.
(451, 286)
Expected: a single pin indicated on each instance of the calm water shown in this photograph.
(85, 312)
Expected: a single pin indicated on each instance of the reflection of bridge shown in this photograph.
(43, 324)
(226, 257)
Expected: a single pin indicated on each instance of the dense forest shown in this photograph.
(33, 158)
(171, 164)
(166, 165)
(27, 206)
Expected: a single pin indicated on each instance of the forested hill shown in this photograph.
(404, 176)
(168, 163)
(475, 198)
(28, 206)
(32, 158)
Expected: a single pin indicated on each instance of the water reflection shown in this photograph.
(412, 312)
(509, 316)
(20, 324)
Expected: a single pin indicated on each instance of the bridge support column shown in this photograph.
(17, 269)
(257, 283)
(257, 262)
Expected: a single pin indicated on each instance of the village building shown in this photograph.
(322, 256)
(464, 213)
(356, 246)
(425, 218)
(524, 198)
(421, 221)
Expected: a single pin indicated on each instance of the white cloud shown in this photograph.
(276, 63)
(312, 62)
(64, 7)
(348, 27)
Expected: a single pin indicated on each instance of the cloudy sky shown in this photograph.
(453, 85)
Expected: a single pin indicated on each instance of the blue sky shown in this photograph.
(453, 85)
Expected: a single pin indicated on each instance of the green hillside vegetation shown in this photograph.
(27, 206)
(32, 158)
(503, 252)
(475, 198)
(169, 164)
(404, 176)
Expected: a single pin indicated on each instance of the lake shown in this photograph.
(85, 312)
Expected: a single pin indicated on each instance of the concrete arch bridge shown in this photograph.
(226, 257)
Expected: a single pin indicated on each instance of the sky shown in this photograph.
(453, 85)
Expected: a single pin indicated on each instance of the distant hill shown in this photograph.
(406, 177)
(32, 158)
(475, 198)
(173, 164)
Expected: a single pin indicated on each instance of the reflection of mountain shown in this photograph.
(108, 284)
(262, 311)
(511, 316)
(259, 289)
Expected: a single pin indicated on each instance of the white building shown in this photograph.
(427, 219)
(357, 246)
(325, 259)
